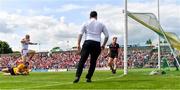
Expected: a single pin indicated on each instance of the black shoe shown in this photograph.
(114, 71)
(88, 80)
(76, 80)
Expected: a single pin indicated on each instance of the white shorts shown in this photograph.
(24, 52)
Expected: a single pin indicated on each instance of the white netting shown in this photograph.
(150, 21)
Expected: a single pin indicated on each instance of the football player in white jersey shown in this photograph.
(25, 52)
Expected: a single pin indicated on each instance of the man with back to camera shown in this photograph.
(91, 46)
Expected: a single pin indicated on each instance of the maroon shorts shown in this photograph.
(11, 71)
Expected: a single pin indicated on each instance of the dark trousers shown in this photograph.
(93, 49)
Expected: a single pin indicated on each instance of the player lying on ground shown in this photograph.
(113, 55)
(25, 52)
(21, 69)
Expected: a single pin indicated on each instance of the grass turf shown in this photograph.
(136, 79)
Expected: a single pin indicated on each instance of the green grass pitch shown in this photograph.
(136, 79)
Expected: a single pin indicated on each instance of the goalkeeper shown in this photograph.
(21, 69)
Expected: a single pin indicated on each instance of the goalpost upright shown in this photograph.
(125, 38)
(159, 47)
(159, 52)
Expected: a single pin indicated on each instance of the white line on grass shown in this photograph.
(68, 83)
(23, 82)
(110, 77)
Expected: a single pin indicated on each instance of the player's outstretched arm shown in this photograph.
(25, 73)
(33, 43)
(23, 41)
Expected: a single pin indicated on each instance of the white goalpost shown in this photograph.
(159, 47)
(125, 38)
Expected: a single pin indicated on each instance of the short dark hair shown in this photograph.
(93, 14)
(27, 35)
(114, 37)
(26, 63)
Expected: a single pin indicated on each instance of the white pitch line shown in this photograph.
(34, 87)
(68, 83)
(23, 82)
(110, 78)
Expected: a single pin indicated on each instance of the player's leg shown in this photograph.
(115, 64)
(31, 53)
(5, 70)
(176, 65)
(84, 55)
(23, 58)
(6, 74)
(95, 52)
(24, 55)
(110, 63)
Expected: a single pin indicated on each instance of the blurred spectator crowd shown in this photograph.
(137, 58)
